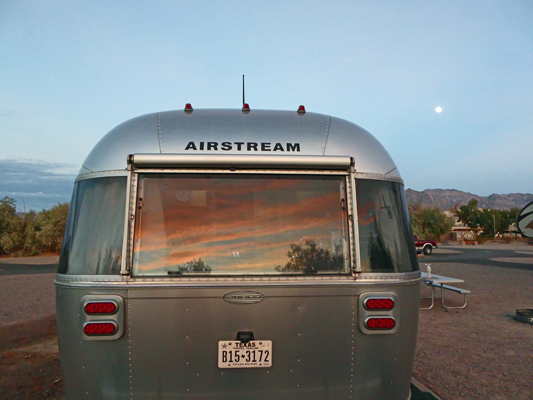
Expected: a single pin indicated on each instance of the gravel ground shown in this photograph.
(26, 297)
(479, 352)
(37, 260)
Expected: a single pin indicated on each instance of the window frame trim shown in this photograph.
(131, 212)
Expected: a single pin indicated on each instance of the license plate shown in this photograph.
(254, 354)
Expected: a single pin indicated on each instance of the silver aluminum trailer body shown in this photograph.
(222, 254)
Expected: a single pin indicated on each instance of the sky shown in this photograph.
(72, 71)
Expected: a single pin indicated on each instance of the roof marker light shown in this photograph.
(246, 108)
(301, 110)
(188, 108)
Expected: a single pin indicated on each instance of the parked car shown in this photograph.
(425, 246)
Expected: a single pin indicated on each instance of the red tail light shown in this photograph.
(107, 307)
(99, 328)
(380, 323)
(379, 304)
(246, 107)
(188, 108)
(301, 110)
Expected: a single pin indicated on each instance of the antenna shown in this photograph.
(243, 101)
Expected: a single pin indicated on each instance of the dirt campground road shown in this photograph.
(479, 352)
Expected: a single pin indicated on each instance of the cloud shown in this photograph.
(36, 184)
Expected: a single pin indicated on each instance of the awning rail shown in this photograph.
(239, 161)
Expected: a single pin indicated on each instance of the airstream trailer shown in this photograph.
(237, 254)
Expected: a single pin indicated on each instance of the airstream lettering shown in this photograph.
(242, 146)
(270, 258)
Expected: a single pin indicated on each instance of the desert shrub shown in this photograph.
(20, 238)
(29, 233)
(51, 227)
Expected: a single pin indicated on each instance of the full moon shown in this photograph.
(438, 109)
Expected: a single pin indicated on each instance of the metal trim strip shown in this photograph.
(239, 171)
(125, 267)
(389, 276)
(213, 282)
(101, 174)
(378, 177)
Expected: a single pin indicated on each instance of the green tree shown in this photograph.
(8, 212)
(494, 222)
(29, 233)
(430, 223)
(51, 226)
(20, 238)
(195, 266)
(310, 258)
(469, 214)
(491, 222)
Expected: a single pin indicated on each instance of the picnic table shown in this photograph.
(434, 280)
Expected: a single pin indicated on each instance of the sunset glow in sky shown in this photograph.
(72, 71)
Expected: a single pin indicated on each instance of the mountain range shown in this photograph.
(447, 199)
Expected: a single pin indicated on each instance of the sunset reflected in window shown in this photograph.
(206, 224)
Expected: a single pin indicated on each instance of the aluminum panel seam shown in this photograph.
(352, 381)
(159, 136)
(328, 124)
(130, 363)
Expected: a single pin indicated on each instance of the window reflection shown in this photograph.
(216, 224)
(385, 237)
(95, 228)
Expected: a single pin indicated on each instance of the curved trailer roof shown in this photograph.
(234, 132)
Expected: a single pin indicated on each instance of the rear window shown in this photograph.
(216, 224)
